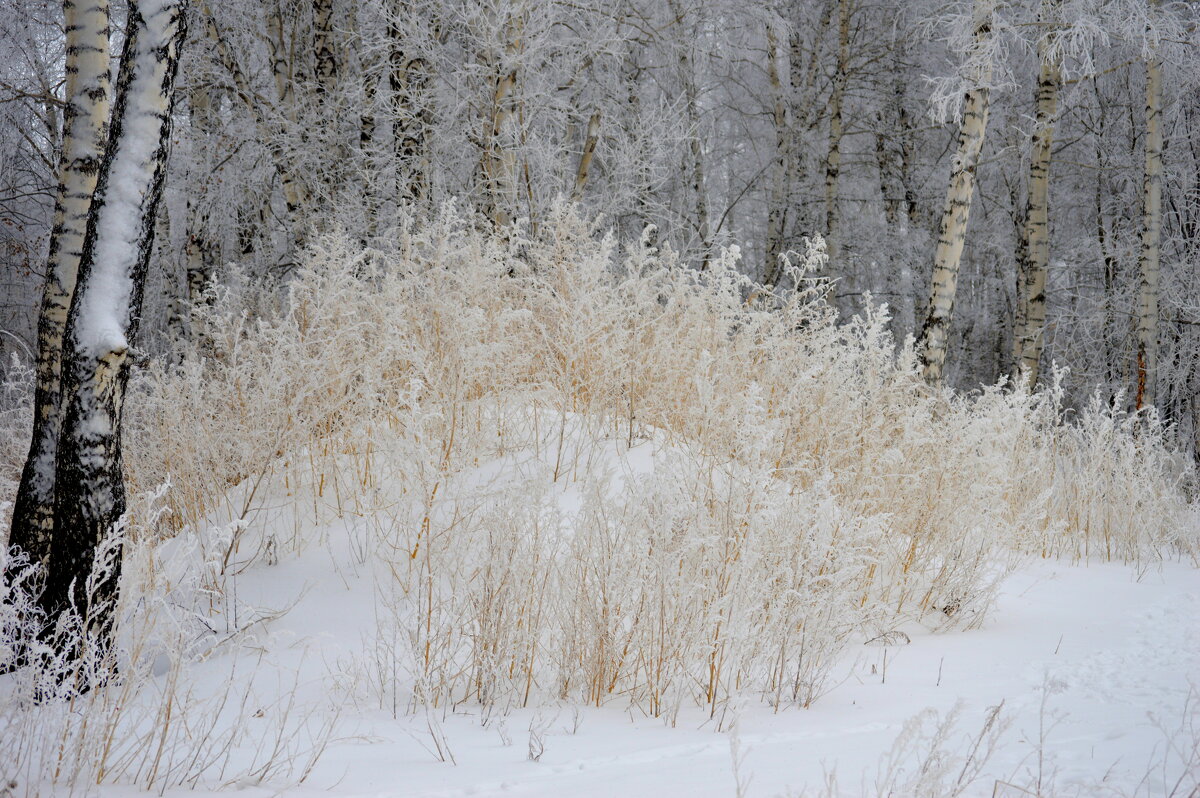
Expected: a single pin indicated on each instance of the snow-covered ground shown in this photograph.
(1095, 665)
(1094, 668)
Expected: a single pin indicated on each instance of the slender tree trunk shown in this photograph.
(103, 320)
(327, 63)
(952, 233)
(1020, 212)
(777, 203)
(295, 192)
(891, 131)
(406, 76)
(199, 248)
(85, 130)
(890, 185)
(1037, 215)
(833, 160)
(631, 73)
(499, 159)
(1147, 320)
(585, 157)
(696, 150)
(802, 79)
(271, 129)
(907, 158)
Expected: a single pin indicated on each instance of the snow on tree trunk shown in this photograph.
(85, 130)
(953, 229)
(90, 494)
(1147, 319)
(1032, 313)
(777, 208)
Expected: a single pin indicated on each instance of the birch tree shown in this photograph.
(1036, 243)
(1148, 265)
(952, 231)
(833, 160)
(499, 163)
(85, 130)
(777, 203)
(406, 76)
(97, 351)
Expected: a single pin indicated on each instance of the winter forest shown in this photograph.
(600, 397)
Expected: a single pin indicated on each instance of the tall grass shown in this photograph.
(587, 473)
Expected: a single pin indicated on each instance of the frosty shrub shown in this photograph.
(16, 416)
(143, 720)
(576, 471)
(807, 486)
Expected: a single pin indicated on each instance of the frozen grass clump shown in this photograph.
(811, 488)
(16, 416)
(144, 718)
(580, 473)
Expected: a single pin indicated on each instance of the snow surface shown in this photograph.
(1095, 664)
(1115, 651)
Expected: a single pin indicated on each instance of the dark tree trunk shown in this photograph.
(90, 492)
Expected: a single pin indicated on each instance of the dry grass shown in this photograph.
(807, 489)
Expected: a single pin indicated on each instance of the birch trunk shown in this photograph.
(271, 131)
(953, 229)
(802, 79)
(1147, 323)
(1037, 215)
(499, 159)
(327, 65)
(85, 130)
(295, 193)
(777, 204)
(406, 76)
(90, 495)
(696, 151)
(893, 135)
(833, 160)
(585, 157)
(199, 249)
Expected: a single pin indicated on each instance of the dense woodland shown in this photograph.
(708, 124)
(412, 358)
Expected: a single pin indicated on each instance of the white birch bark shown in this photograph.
(499, 160)
(327, 63)
(696, 151)
(90, 494)
(1148, 263)
(953, 229)
(85, 131)
(295, 192)
(1032, 313)
(833, 160)
(777, 202)
(406, 77)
